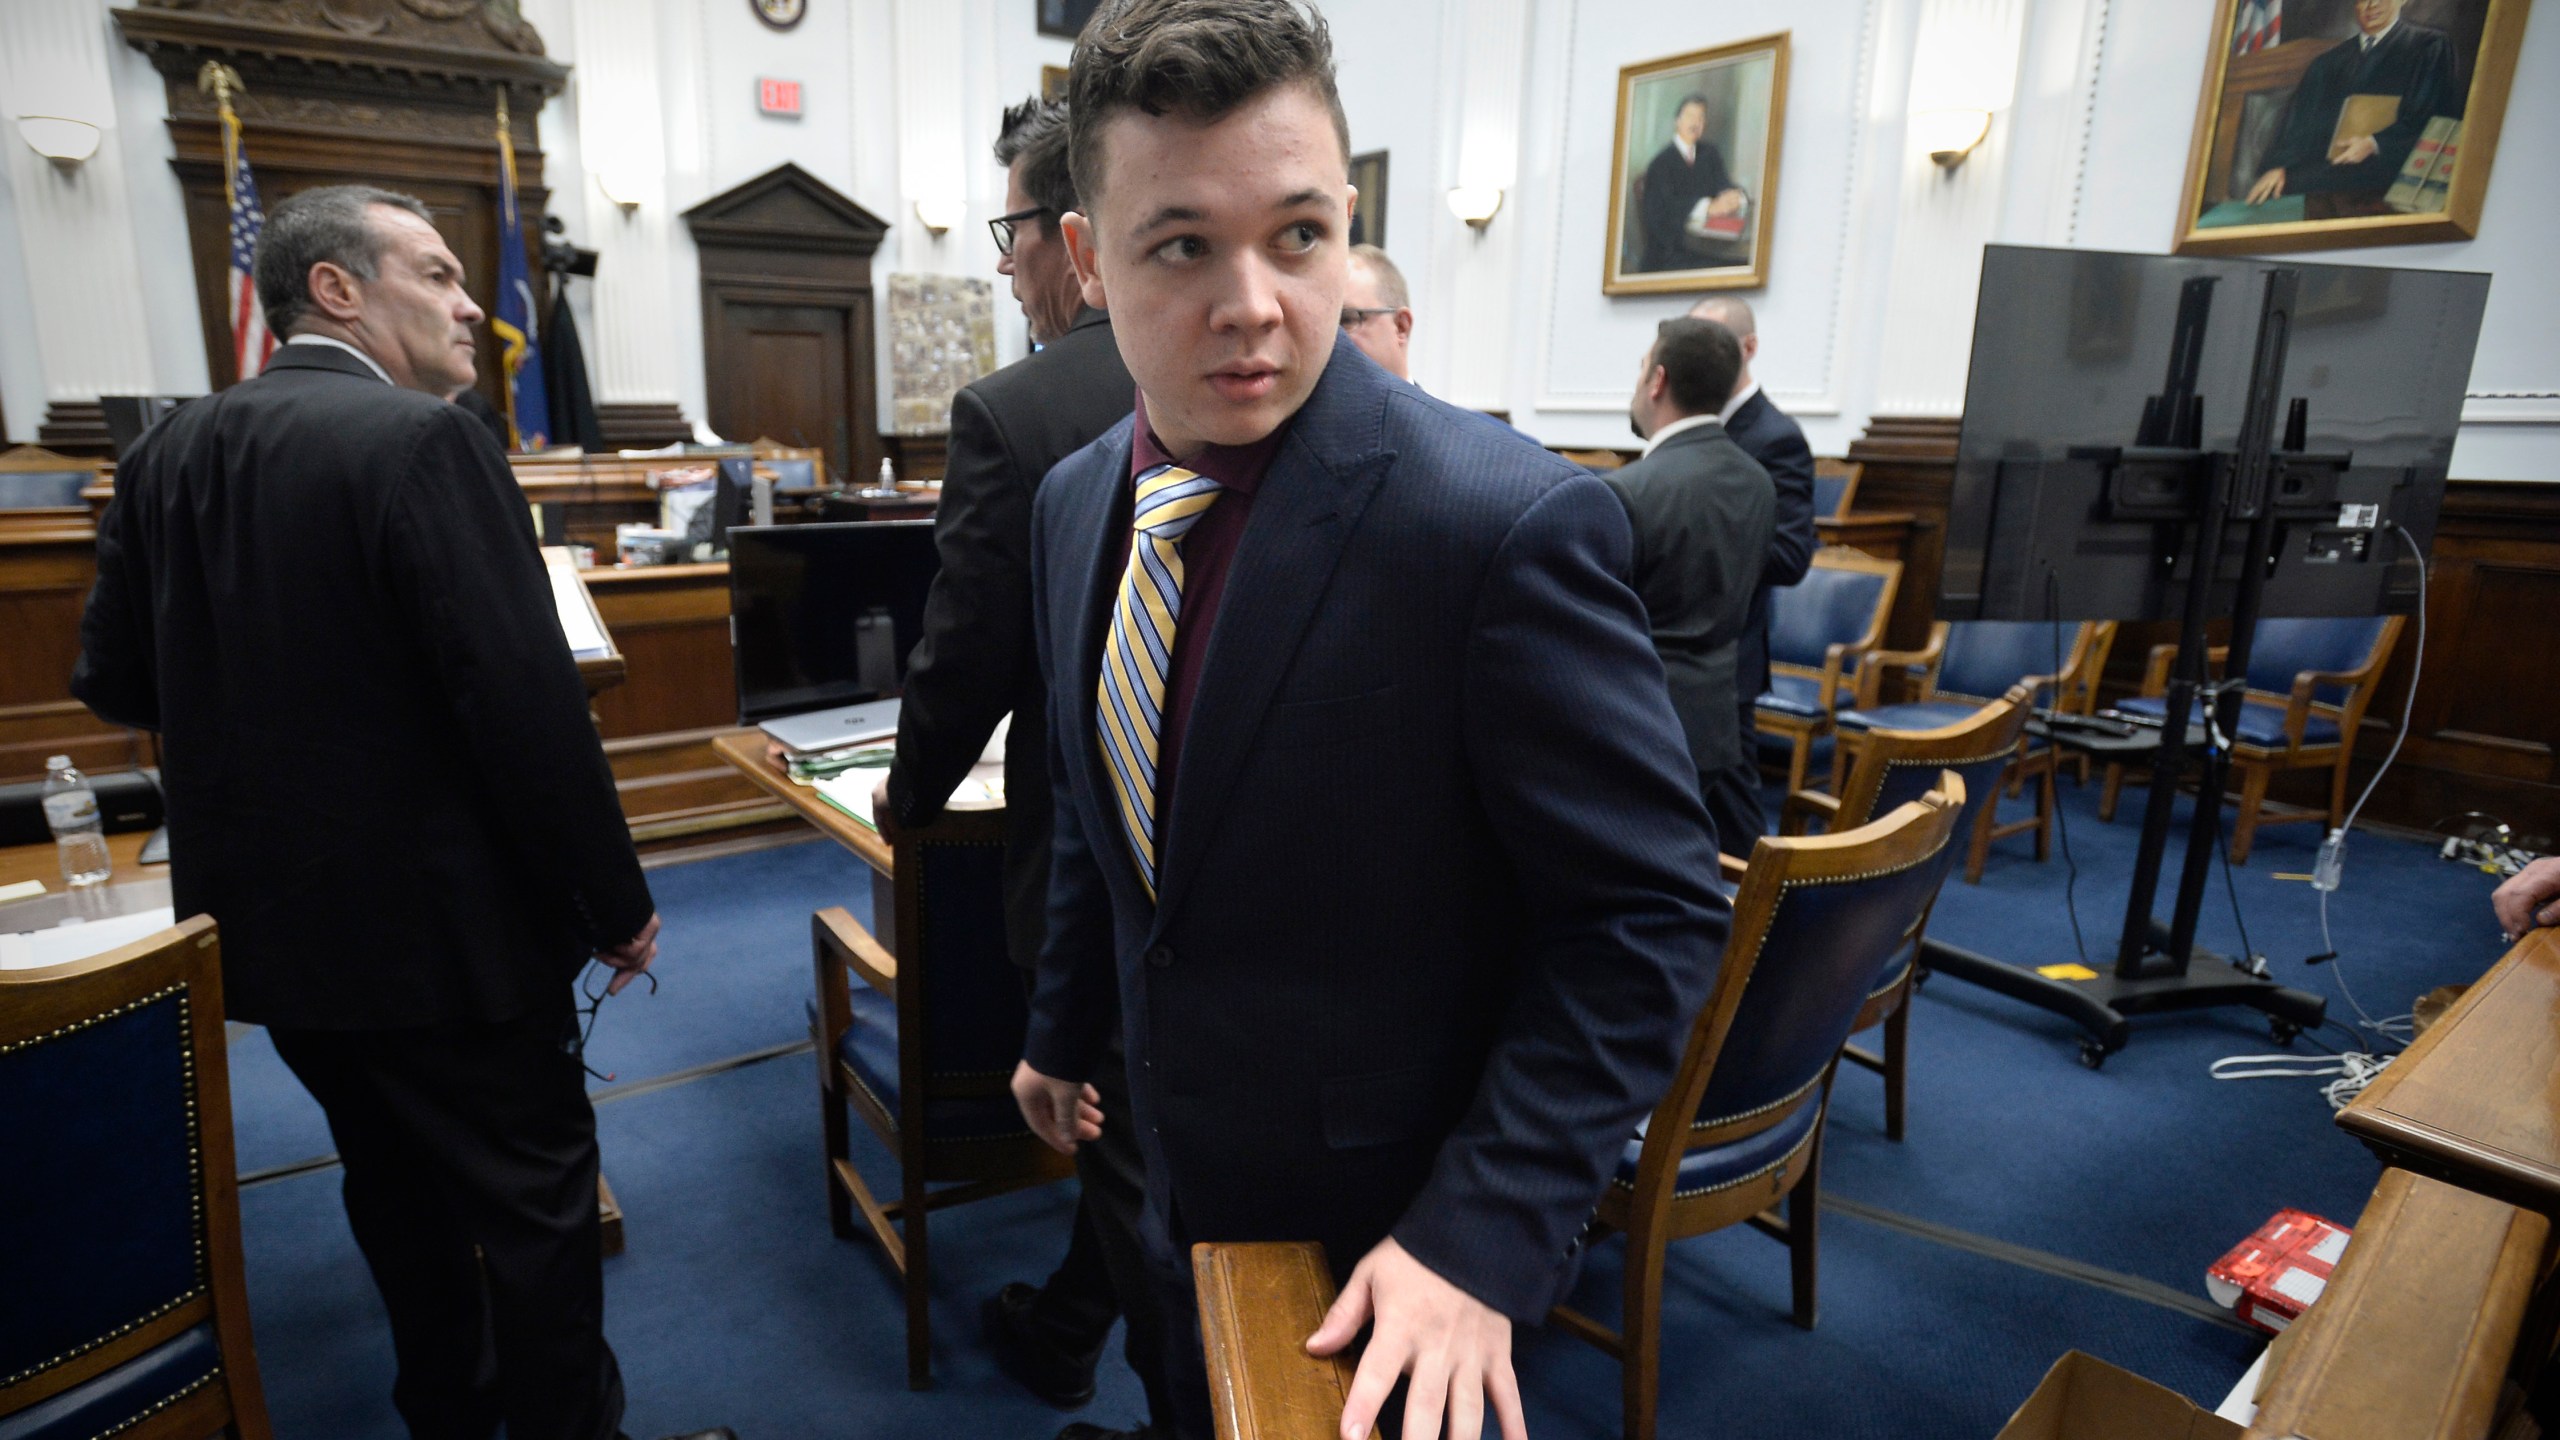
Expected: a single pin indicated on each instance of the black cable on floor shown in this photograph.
(2061, 822)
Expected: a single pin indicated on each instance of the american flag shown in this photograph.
(2261, 27)
(251, 341)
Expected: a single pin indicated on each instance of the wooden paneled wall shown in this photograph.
(2488, 707)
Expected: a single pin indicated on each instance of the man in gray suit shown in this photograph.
(1702, 512)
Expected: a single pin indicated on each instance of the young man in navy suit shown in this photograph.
(1375, 826)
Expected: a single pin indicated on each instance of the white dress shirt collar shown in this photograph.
(1685, 422)
(1688, 149)
(1740, 398)
(2367, 42)
(370, 363)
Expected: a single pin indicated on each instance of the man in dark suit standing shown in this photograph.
(975, 664)
(1375, 826)
(1701, 511)
(1765, 434)
(321, 587)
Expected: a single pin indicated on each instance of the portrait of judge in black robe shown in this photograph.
(2387, 57)
(1688, 169)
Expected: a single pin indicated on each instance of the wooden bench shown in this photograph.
(2419, 1324)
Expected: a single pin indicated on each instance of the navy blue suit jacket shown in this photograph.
(1766, 434)
(1437, 890)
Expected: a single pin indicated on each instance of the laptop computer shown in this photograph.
(821, 620)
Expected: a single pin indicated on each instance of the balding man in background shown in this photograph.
(1377, 311)
(1765, 434)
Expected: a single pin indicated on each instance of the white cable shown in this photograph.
(2417, 668)
(2347, 1074)
(2397, 1028)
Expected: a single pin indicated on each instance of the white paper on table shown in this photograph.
(34, 949)
(577, 617)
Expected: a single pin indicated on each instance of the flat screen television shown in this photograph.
(824, 615)
(2073, 362)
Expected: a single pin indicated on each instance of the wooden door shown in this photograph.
(786, 376)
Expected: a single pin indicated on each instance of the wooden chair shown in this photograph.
(1835, 486)
(1816, 922)
(1821, 629)
(2079, 693)
(924, 1049)
(1963, 668)
(125, 1312)
(1895, 767)
(2309, 684)
(1258, 1305)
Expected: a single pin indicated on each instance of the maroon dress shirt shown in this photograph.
(1207, 551)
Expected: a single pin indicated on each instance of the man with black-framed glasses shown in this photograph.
(1377, 313)
(975, 664)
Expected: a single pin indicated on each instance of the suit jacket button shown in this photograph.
(1159, 955)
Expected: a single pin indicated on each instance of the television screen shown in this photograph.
(824, 615)
(2072, 350)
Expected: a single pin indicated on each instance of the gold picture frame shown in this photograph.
(1053, 82)
(1657, 229)
(2382, 179)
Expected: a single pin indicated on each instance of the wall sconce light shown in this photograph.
(1475, 204)
(64, 142)
(1950, 135)
(622, 187)
(939, 216)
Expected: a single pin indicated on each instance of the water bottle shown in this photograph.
(71, 808)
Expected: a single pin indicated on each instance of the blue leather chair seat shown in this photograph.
(870, 1046)
(43, 489)
(1792, 695)
(1715, 1166)
(1917, 715)
(112, 1402)
(2260, 725)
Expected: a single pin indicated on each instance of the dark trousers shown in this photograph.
(1733, 802)
(469, 1138)
(1105, 1274)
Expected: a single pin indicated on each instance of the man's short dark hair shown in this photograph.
(325, 223)
(1035, 133)
(1200, 59)
(1701, 359)
(1692, 98)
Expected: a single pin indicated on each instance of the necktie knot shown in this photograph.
(1170, 500)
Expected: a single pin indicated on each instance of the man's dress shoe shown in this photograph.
(1034, 1360)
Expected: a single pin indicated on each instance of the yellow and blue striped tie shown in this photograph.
(1137, 661)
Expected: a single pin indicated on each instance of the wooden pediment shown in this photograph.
(786, 208)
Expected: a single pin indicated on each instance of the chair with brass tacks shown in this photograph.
(1817, 920)
(1893, 768)
(1959, 671)
(1835, 486)
(924, 1049)
(2309, 684)
(1821, 629)
(124, 1311)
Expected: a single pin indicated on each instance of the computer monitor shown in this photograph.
(824, 615)
(2079, 355)
(128, 416)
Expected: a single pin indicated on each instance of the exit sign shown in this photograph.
(778, 97)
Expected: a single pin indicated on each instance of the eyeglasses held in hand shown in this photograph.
(1362, 314)
(1002, 226)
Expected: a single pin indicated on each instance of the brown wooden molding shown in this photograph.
(76, 427)
(642, 425)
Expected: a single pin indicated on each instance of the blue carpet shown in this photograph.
(736, 1306)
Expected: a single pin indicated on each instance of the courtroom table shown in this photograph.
(41, 861)
(745, 750)
(2475, 1102)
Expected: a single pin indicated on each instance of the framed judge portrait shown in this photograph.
(2331, 123)
(1693, 177)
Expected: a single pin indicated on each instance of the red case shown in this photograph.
(2270, 1278)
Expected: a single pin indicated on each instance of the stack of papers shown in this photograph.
(67, 943)
(850, 792)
